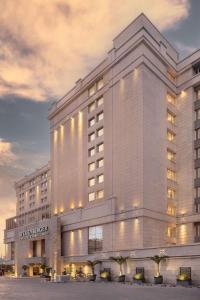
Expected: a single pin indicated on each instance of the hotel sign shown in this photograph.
(34, 232)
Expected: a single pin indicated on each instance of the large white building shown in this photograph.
(125, 163)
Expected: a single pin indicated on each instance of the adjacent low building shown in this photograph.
(125, 165)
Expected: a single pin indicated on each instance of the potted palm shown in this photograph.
(43, 267)
(92, 265)
(158, 278)
(120, 260)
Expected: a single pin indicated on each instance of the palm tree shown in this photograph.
(120, 260)
(92, 264)
(157, 259)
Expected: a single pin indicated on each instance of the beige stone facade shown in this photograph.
(125, 177)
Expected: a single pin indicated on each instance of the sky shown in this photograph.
(45, 46)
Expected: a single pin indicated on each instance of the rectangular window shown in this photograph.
(100, 147)
(197, 153)
(100, 194)
(171, 99)
(198, 114)
(91, 107)
(171, 175)
(91, 182)
(100, 178)
(170, 136)
(171, 155)
(171, 193)
(92, 90)
(198, 173)
(99, 101)
(100, 132)
(100, 163)
(198, 134)
(197, 229)
(197, 207)
(91, 151)
(170, 117)
(100, 116)
(91, 122)
(198, 94)
(99, 84)
(91, 167)
(95, 239)
(91, 196)
(91, 137)
(171, 210)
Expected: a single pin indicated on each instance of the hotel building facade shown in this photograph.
(124, 174)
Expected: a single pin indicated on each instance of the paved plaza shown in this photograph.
(34, 289)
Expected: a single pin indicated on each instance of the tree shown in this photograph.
(92, 264)
(120, 260)
(157, 259)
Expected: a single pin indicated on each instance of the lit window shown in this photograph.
(171, 99)
(171, 175)
(197, 153)
(100, 194)
(171, 155)
(99, 84)
(92, 90)
(100, 178)
(95, 239)
(91, 196)
(198, 134)
(170, 136)
(91, 151)
(100, 116)
(91, 122)
(171, 193)
(91, 107)
(171, 210)
(170, 117)
(91, 182)
(100, 147)
(91, 167)
(91, 137)
(100, 132)
(100, 163)
(171, 232)
(100, 101)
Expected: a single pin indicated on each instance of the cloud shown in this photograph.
(46, 45)
(184, 49)
(7, 155)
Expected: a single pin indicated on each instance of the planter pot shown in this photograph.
(93, 277)
(184, 282)
(158, 280)
(121, 278)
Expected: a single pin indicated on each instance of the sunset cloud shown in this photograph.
(7, 156)
(46, 45)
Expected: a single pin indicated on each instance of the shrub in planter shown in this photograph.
(158, 278)
(92, 265)
(120, 260)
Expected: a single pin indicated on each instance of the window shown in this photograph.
(91, 107)
(95, 239)
(91, 137)
(170, 117)
(198, 134)
(91, 182)
(171, 232)
(198, 114)
(197, 229)
(99, 101)
(100, 147)
(91, 196)
(198, 93)
(171, 210)
(171, 99)
(198, 192)
(100, 163)
(100, 194)
(92, 90)
(171, 155)
(100, 132)
(196, 68)
(197, 207)
(171, 193)
(91, 152)
(91, 167)
(197, 153)
(100, 178)
(198, 173)
(100, 116)
(91, 122)
(99, 84)
(170, 136)
(171, 175)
